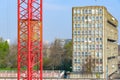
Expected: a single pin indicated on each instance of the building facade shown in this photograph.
(62, 42)
(119, 57)
(94, 35)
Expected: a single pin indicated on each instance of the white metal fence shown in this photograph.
(47, 75)
(8, 74)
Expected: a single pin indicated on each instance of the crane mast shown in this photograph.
(30, 40)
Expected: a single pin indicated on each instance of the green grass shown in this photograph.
(8, 69)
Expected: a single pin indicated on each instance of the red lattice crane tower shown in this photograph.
(30, 39)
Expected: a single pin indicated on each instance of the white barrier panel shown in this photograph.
(46, 74)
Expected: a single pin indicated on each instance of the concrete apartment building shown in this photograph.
(95, 47)
(119, 58)
(62, 41)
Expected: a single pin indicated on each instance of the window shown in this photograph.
(92, 25)
(89, 25)
(82, 11)
(89, 32)
(75, 11)
(96, 25)
(97, 39)
(86, 54)
(83, 61)
(78, 60)
(82, 32)
(97, 54)
(75, 39)
(92, 32)
(89, 39)
(86, 18)
(92, 39)
(89, 18)
(82, 39)
(93, 11)
(100, 39)
(97, 18)
(75, 68)
(82, 25)
(96, 11)
(101, 61)
(85, 46)
(82, 53)
(78, 18)
(74, 46)
(78, 11)
(81, 47)
(74, 18)
(93, 18)
(100, 11)
(90, 11)
(86, 32)
(90, 47)
(90, 53)
(97, 68)
(101, 68)
(96, 32)
(75, 54)
(93, 46)
(78, 68)
(100, 46)
(100, 17)
(78, 25)
(101, 25)
(78, 46)
(79, 54)
(75, 25)
(100, 54)
(97, 47)
(78, 39)
(75, 60)
(82, 18)
(86, 39)
(85, 25)
(100, 32)
(86, 11)
(75, 32)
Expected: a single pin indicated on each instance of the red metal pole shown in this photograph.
(18, 56)
(41, 47)
(30, 39)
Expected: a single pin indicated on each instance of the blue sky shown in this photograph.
(57, 17)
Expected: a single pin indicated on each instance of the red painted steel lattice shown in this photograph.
(30, 39)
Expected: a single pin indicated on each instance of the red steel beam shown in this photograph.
(30, 40)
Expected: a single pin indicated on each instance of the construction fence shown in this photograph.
(47, 75)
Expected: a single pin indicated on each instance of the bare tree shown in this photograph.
(89, 65)
(46, 50)
(56, 52)
(46, 56)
